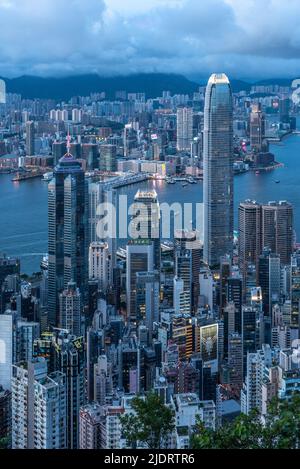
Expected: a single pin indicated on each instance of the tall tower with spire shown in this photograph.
(218, 170)
(67, 245)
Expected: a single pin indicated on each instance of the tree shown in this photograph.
(4, 442)
(151, 422)
(280, 430)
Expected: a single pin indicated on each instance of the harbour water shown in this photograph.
(23, 206)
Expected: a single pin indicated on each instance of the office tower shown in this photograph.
(103, 384)
(99, 265)
(2, 92)
(218, 170)
(183, 335)
(284, 110)
(235, 361)
(67, 221)
(7, 348)
(181, 297)
(184, 128)
(94, 347)
(90, 153)
(249, 235)
(76, 116)
(5, 415)
(25, 335)
(139, 258)
(90, 418)
(70, 306)
(295, 290)
(188, 241)
(58, 150)
(96, 197)
(30, 136)
(108, 158)
(145, 222)
(225, 274)
(235, 296)
(69, 358)
(278, 229)
(38, 407)
(8, 266)
(257, 128)
(147, 298)
(229, 319)
(183, 271)
(250, 338)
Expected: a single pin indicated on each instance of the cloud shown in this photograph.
(248, 38)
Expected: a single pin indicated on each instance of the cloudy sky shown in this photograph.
(244, 38)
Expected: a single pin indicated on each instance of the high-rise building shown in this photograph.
(295, 290)
(90, 418)
(90, 153)
(38, 407)
(284, 110)
(139, 258)
(184, 128)
(249, 234)
(58, 150)
(5, 415)
(278, 229)
(183, 271)
(235, 360)
(257, 128)
(70, 306)
(30, 136)
(67, 245)
(99, 264)
(145, 223)
(7, 348)
(69, 358)
(218, 170)
(188, 241)
(108, 158)
(147, 298)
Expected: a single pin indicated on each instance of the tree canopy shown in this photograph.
(280, 430)
(150, 423)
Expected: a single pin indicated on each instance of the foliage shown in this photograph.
(151, 422)
(280, 430)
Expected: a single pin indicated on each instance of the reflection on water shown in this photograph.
(23, 207)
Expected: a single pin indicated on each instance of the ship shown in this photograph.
(48, 177)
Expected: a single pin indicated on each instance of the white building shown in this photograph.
(39, 406)
(99, 264)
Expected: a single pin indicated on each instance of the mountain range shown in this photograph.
(153, 84)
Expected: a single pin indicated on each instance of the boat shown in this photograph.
(257, 173)
(170, 181)
(184, 184)
(277, 182)
(48, 177)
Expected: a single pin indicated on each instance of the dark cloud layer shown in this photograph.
(245, 38)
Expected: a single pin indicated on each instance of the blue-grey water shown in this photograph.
(23, 206)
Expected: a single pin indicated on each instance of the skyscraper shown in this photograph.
(184, 128)
(108, 158)
(139, 258)
(257, 128)
(30, 131)
(67, 231)
(278, 229)
(249, 234)
(218, 170)
(145, 224)
(70, 309)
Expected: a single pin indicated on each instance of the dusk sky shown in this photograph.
(244, 38)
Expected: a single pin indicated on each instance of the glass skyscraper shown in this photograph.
(67, 199)
(218, 170)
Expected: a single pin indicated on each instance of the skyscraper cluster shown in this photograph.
(210, 325)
